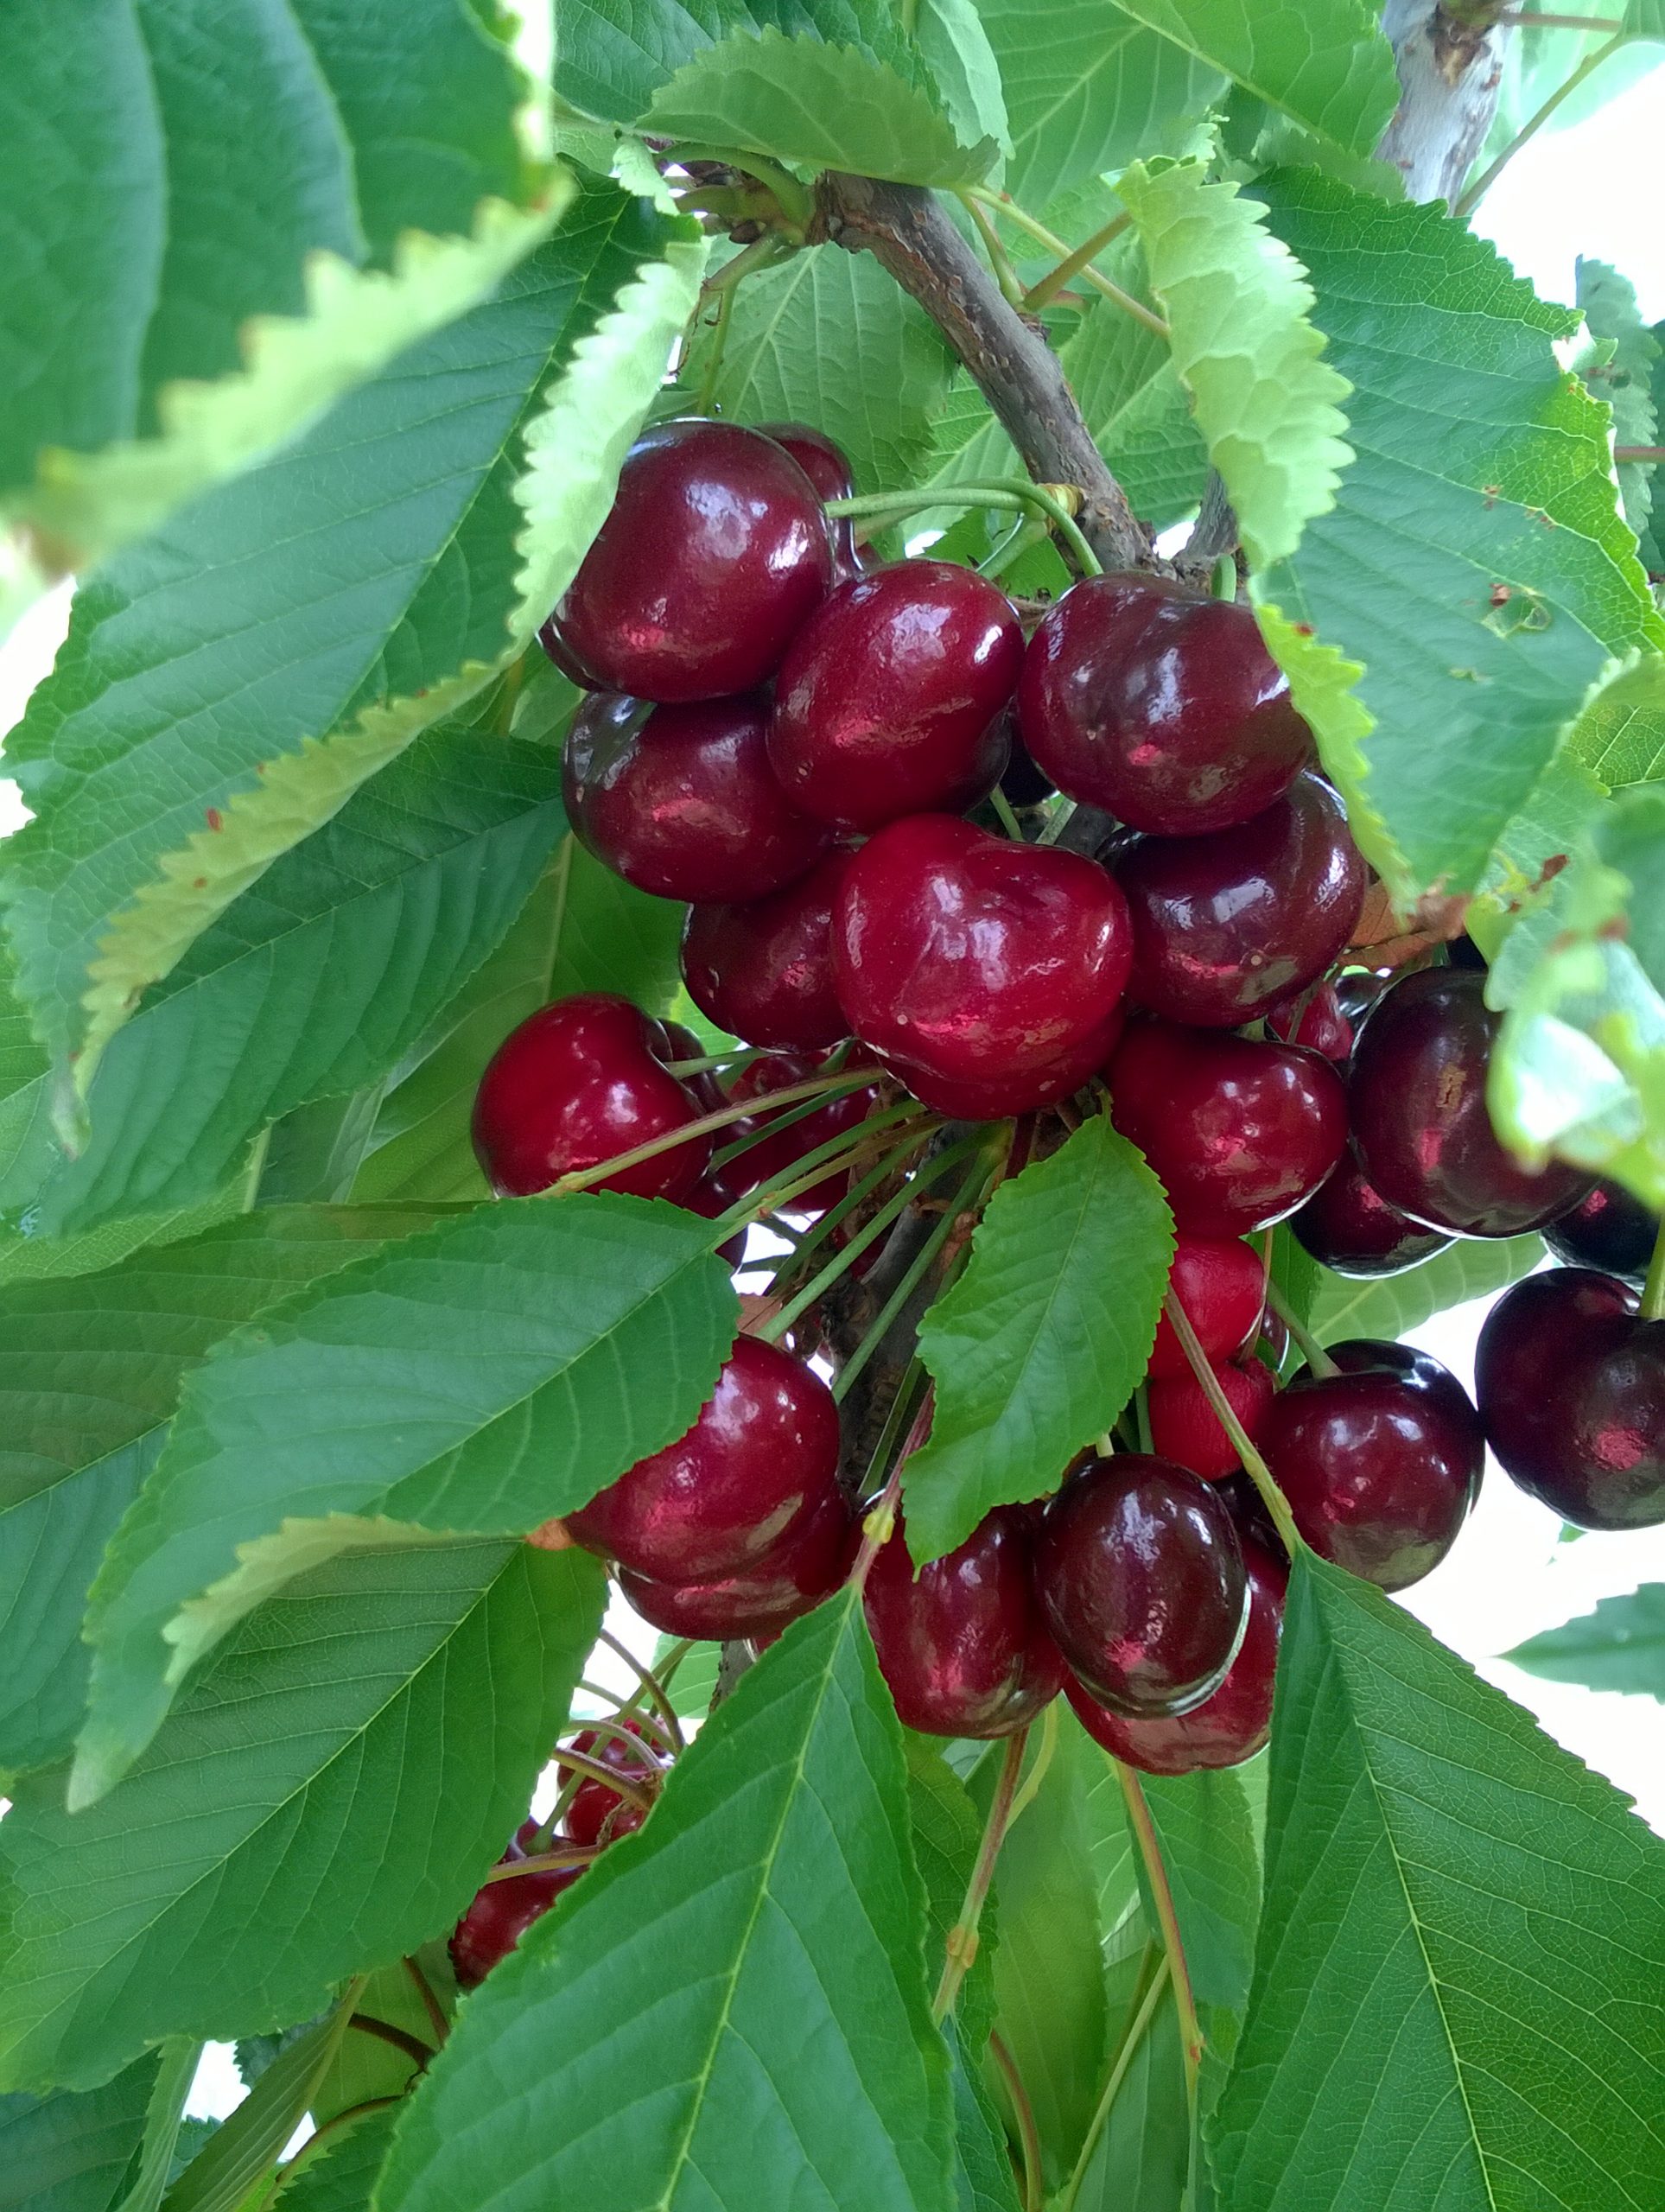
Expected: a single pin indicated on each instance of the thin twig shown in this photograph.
(1054, 281)
(430, 2004)
(385, 2031)
(962, 1936)
(1476, 192)
(1035, 2178)
(1118, 2074)
(1167, 1921)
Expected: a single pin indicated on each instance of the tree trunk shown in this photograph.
(1450, 68)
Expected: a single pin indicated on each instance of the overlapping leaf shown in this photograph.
(340, 2175)
(1619, 1646)
(1392, 1305)
(70, 2150)
(1619, 369)
(1327, 66)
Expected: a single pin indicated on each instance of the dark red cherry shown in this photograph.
(499, 1916)
(1023, 780)
(1571, 1389)
(1222, 1286)
(1611, 1229)
(1141, 1580)
(1356, 991)
(962, 1644)
(757, 1467)
(892, 699)
(1348, 1225)
(1185, 1428)
(1165, 708)
(1229, 1726)
(1225, 925)
(966, 956)
(796, 1572)
(1380, 1463)
(715, 553)
(993, 1098)
(828, 468)
(716, 1192)
(1420, 1116)
(1240, 1133)
(1314, 1019)
(597, 1813)
(763, 971)
(774, 1156)
(681, 801)
(577, 1082)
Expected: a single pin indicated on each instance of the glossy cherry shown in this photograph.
(1571, 1389)
(1141, 1580)
(1240, 1133)
(1316, 1020)
(715, 553)
(1225, 925)
(1611, 1229)
(827, 466)
(793, 1575)
(891, 700)
(1232, 1724)
(598, 1814)
(967, 958)
(1420, 1115)
(1185, 1428)
(1222, 1286)
(962, 1644)
(772, 1158)
(763, 971)
(577, 1082)
(1380, 1463)
(756, 1467)
(1163, 708)
(1348, 1225)
(500, 1915)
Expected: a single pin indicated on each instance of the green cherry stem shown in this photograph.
(1305, 1342)
(650, 1682)
(1009, 822)
(1167, 1920)
(401, 2038)
(542, 1862)
(742, 1055)
(977, 1180)
(1009, 493)
(1653, 1290)
(430, 2004)
(1118, 2074)
(1038, 1765)
(1034, 2180)
(1254, 1466)
(1488, 176)
(999, 261)
(1054, 244)
(835, 1218)
(585, 1178)
(1073, 265)
(962, 1936)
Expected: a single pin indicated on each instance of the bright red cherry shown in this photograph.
(715, 553)
(1165, 708)
(962, 1645)
(1610, 1231)
(500, 1915)
(1240, 1133)
(891, 700)
(1420, 1116)
(577, 1082)
(1140, 1578)
(1225, 925)
(1380, 1463)
(773, 1157)
(1316, 1020)
(1348, 1225)
(827, 466)
(757, 1466)
(1229, 1726)
(803, 1565)
(1571, 1389)
(1185, 1428)
(681, 801)
(763, 971)
(599, 1815)
(968, 958)
(1222, 1286)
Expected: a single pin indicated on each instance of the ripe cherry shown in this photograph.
(1316, 1020)
(1240, 1133)
(774, 1156)
(967, 959)
(681, 801)
(1348, 1225)
(962, 1645)
(891, 700)
(1225, 925)
(827, 466)
(1571, 1389)
(1420, 1116)
(577, 1082)
(1165, 708)
(801, 1567)
(500, 1915)
(1185, 1428)
(597, 1813)
(1610, 1231)
(1140, 1578)
(763, 971)
(715, 553)
(1222, 1286)
(756, 1467)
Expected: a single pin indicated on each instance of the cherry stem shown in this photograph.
(962, 1936)
(1003, 806)
(812, 1167)
(834, 1217)
(612, 1724)
(999, 261)
(740, 1058)
(1167, 1921)
(1305, 1342)
(1118, 2074)
(1054, 244)
(1037, 1766)
(1488, 176)
(1071, 266)
(1142, 1414)
(430, 2004)
(1532, 19)
(881, 1517)
(899, 1298)
(620, 1785)
(1222, 580)
(540, 1862)
(325, 2134)
(650, 1682)
(1652, 1307)
(1254, 1466)
(1034, 2183)
(792, 197)
(1010, 495)
(401, 2038)
(584, 1179)
(1639, 453)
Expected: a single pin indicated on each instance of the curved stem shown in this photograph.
(1011, 493)
(1305, 1342)
(1254, 1466)
(1054, 244)
(1476, 192)
(1167, 1922)
(708, 1063)
(998, 260)
(1652, 1307)
(385, 2031)
(598, 1770)
(962, 1936)
(1072, 265)
(539, 1862)
(1037, 1766)
(905, 1289)
(792, 198)
(650, 1682)
(430, 2004)
(585, 1178)
(1034, 2180)
(1118, 2074)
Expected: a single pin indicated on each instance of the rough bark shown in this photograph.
(1451, 65)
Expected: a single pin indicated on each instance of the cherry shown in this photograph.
(1611, 1229)
(597, 1813)
(803, 1565)
(1225, 1729)
(827, 466)
(1225, 925)
(681, 801)
(500, 1915)
(891, 699)
(962, 1644)
(1356, 991)
(757, 1466)
(1240, 1133)
(1572, 1388)
(1024, 782)
(1348, 1225)
(1140, 1578)
(1221, 1284)
(1320, 1023)
(763, 971)
(967, 959)
(1185, 1428)
(575, 1082)
(1380, 1463)
(772, 1158)
(715, 553)
(1420, 1116)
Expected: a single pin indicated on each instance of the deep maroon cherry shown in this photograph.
(597, 1813)
(763, 971)
(793, 1575)
(1348, 1225)
(1140, 1578)
(892, 699)
(962, 1644)
(1316, 1020)
(827, 466)
(1222, 1286)
(715, 552)
(967, 958)
(1225, 925)
(991, 1098)
(1240, 1133)
(757, 1466)
(1185, 1428)
(772, 1158)
(1356, 991)
(1163, 709)
(577, 1082)
(1420, 1116)
(1571, 1389)
(500, 1915)
(1380, 1463)
(681, 801)
(1611, 1229)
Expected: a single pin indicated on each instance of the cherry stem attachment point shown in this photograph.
(1652, 1307)
(1010, 495)
(962, 1936)
(1073, 265)
(1167, 1920)
(977, 194)
(1254, 1466)
(585, 1178)
(1305, 1342)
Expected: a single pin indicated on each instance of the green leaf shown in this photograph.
(1620, 736)
(1620, 369)
(364, 2067)
(962, 65)
(695, 1681)
(1392, 1305)
(947, 1829)
(1620, 1646)
(1205, 1827)
(326, 1795)
(730, 2008)
(239, 2155)
(168, 2134)
(68, 2151)
(1456, 1993)
(1141, 2161)
(478, 1379)
(1042, 1341)
(1480, 464)
(983, 2180)
(1326, 65)
(1238, 308)
(341, 2174)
